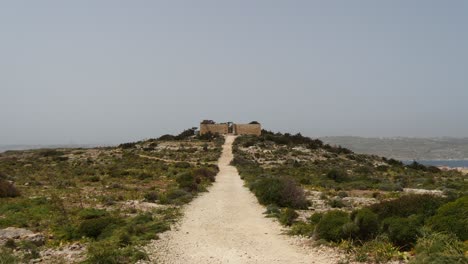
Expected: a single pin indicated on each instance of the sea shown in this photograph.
(447, 163)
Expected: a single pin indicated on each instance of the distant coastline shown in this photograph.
(450, 163)
(432, 150)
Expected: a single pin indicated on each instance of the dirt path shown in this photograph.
(227, 225)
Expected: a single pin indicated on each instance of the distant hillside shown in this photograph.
(405, 148)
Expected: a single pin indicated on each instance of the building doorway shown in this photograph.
(230, 128)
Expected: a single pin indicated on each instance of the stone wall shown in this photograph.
(213, 128)
(248, 129)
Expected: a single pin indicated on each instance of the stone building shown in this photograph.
(209, 126)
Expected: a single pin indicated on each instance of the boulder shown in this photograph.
(21, 234)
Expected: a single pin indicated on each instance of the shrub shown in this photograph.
(439, 248)
(110, 253)
(208, 136)
(367, 223)
(7, 257)
(315, 218)
(331, 224)
(342, 194)
(350, 230)
(94, 227)
(336, 203)
(378, 250)
(282, 191)
(151, 196)
(302, 229)
(182, 165)
(50, 153)
(185, 134)
(176, 196)
(91, 213)
(452, 217)
(10, 243)
(406, 205)
(127, 145)
(187, 181)
(205, 173)
(94, 178)
(337, 175)
(287, 216)
(7, 189)
(401, 231)
(166, 137)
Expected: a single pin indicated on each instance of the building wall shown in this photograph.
(248, 129)
(213, 128)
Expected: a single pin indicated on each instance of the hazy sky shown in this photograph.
(113, 71)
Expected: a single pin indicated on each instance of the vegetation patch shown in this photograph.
(360, 201)
(112, 200)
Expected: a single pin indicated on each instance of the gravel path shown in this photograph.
(227, 225)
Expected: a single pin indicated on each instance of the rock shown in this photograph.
(14, 233)
(36, 239)
(21, 234)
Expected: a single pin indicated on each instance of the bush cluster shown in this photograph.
(282, 191)
(453, 218)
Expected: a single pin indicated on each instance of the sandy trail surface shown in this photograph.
(227, 225)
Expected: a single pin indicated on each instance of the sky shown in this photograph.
(102, 72)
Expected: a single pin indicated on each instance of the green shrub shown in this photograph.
(378, 250)
(10, 243)
(406, 205)
(145, 227)
(315, 218)
(401, 231)
(94, 227)
(7, 257)
(205, 173)
(282, 191)
(185, 134)
(109, 253)
(30, 249)
(127, 145)
(182, 165)
(343, 194)
(302, 229)
(367, 223)
(90, 213)
(287, 216)
(331, 224)
(151, 196)
(50, 152)
(187, 182)
(272, 210)
(336, 203)
(452, 217)
(350, 230)
(338, 175)
(439, 248)
(176, 196)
